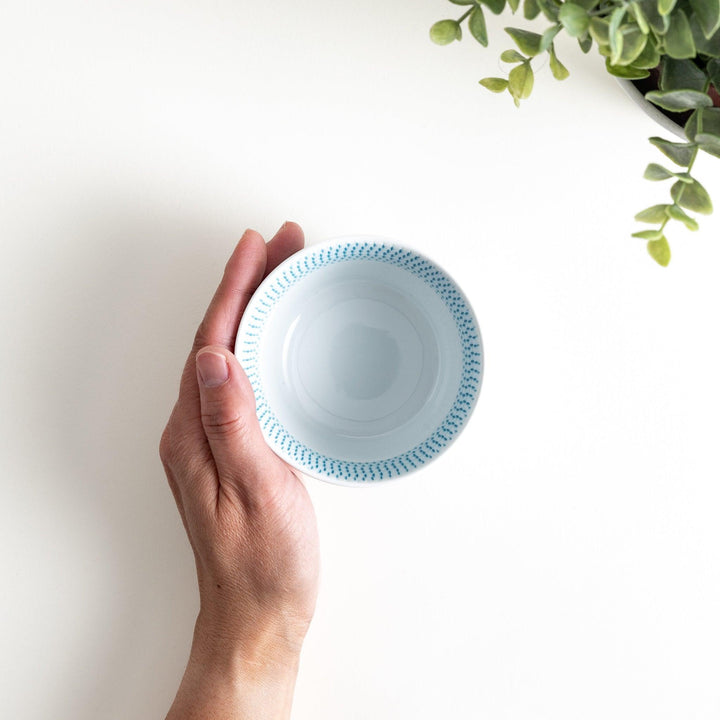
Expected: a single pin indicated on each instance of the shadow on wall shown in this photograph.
(130, 286)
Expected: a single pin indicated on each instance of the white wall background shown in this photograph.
(561, 561)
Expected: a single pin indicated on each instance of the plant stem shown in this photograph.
(464, 15)
(693, 157)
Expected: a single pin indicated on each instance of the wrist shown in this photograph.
(235, 622)
(239, 677)
(261, 643)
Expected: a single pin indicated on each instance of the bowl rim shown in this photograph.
(393, 245)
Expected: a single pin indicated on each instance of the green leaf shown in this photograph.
(527, 42)
(495, 6)
(685, 177)
(548, 36)
(679, 41)
(692, 197)
(677, 214)
(575, 19)
(632, 45)
(531, 9)
(708, 14)
(559, 71)
(678, 100)
(707, 138)
(585, 43)
(549, 9)
(659, 251)
(626, 72)
(494, 84)
(640, 18)
(654, 214)
(707, 120)
(680, 74)
(512, 56)
(443, 32)
(520, 81)
(665, 7)
(657, 22)
(691, 124)
(463, 2)
(657, 172)
(514, 5)
(616, 19)
(680, 153)
(477, 27)
(711, 150)
(713, 71)
(648, 234)
(604, 50)
(705, 46)
(600, 30)
(649, 57)
(616, 46)
(709, 143)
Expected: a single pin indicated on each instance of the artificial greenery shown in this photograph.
(677, 39)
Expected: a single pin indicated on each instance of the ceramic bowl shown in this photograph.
(365, 359)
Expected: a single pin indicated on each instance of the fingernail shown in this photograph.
(213, 368)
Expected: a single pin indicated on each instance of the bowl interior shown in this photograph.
(356, 359)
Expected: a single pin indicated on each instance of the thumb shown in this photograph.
(227, 407)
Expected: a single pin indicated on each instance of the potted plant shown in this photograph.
(670, 50)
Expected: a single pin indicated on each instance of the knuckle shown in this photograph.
(182, 454)
(175, 446)
(210, 332)
(166, 446)
(223, 421)
(201, 336)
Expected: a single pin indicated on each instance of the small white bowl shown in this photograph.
(365, 359)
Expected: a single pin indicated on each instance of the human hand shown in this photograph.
(248, 516)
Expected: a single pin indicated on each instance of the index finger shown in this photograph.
(250, 262)
(243, 273)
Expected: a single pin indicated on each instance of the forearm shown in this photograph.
(227, 680)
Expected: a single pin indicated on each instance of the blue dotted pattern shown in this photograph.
(312, 462)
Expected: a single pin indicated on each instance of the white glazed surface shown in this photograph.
(361, 362)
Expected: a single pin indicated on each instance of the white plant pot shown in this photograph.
(651, 110)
